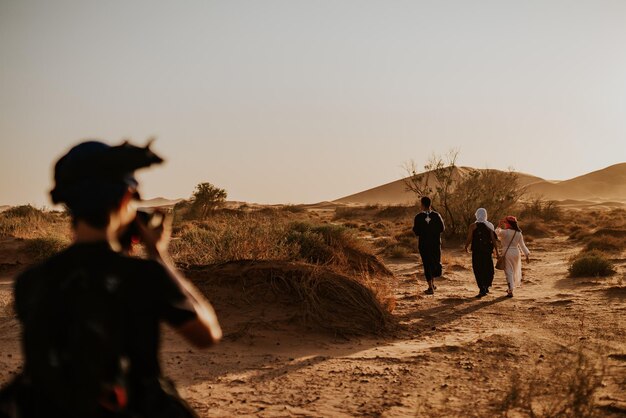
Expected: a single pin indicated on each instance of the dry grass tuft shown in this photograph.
(334, 245)
(608, 244)
(265, 236)
(29, 222)
(226, 237)
(45, 247)
(319, 297)
(569, 389)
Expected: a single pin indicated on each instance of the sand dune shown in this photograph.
(604, 185)
(159, 202)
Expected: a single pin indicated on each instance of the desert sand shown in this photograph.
(451, 355)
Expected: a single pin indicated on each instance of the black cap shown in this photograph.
(92, 172)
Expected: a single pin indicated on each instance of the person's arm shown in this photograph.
(416, 228)
(523, 246)
(470, 233)
(443, 225)
(494, 240)
(203, 330)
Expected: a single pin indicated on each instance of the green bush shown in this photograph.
(591, 264)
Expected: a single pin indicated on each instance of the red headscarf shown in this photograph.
(508, 220)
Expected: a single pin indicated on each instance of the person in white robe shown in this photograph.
(512, 245)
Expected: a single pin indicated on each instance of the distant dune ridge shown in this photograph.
(606, 185)
(159, 202)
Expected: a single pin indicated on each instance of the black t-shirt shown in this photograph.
(428, 228)
(144, 292)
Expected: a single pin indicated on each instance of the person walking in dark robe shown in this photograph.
(482, 238)
(428, 226)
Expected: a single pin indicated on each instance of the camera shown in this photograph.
(132, 235)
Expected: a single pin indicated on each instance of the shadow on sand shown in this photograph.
(448, 311)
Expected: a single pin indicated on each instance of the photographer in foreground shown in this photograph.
(91, 315)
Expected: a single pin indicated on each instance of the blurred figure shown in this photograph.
(90, 315)
(482, 238)
(428, 227)
(512, 241)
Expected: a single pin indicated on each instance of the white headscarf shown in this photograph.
(481, 218)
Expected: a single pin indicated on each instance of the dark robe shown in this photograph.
(482, 259)
(428, 227)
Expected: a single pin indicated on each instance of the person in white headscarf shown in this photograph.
(482, 238)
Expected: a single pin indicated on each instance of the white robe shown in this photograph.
(513, 257)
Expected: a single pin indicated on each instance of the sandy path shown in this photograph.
(454, 357)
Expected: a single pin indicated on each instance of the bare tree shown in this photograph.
(458, 192)
(437, 182)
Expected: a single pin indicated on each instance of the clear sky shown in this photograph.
(303, 101)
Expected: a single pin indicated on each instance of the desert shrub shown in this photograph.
(538, 207)
(608, 244)
(25, 211)
(350, 212)
(205, 199)
(579, 232)
(591, 264)
(395, 212)
(536, 229)
(407, 238)
(228, 238)
(319, 297)
(29, 222)
(568, 389)
(293, 208)
(42, 248)
(397, 251)
(385, 242)
(334, 245)
(610, 232)
(258, 236)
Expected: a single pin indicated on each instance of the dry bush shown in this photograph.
(397, 251)
(608, 244)
(351, 212)
(293, 209)
(537, 229)
(264, 236)
(334, 245)
(319, 297)
(610, 232)
(538, 207)
(591, 264)
(29, 222)
(42, 248)
(384, 242)
(578, 232)
(245, 236)
(569, 389)
(402, 245)
(397, 212)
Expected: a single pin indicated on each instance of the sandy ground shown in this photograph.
(453, 357)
